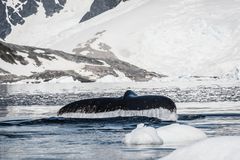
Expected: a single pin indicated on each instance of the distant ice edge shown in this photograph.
(160, 113)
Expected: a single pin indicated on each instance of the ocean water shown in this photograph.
(30, 128)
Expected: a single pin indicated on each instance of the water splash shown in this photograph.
(160, 113)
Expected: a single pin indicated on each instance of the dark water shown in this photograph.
(30, 128)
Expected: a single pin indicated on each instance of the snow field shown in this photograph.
(175, 38)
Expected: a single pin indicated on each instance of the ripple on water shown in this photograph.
(29, 128)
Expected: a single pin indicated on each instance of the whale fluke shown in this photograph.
(129, 93)
(129, 102)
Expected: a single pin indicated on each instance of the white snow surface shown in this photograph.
(171, 37)
(217, 148)
(171, 134)
(38, 28)
(110, 78)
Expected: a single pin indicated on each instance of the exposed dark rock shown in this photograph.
(44, 76)
(133, 72)
(62, 2)
(98, 67)
(5, 27)
(25, 8)
(9, 78)
(51, 74)
(15, 15)
(98, 7)
(101, 71)
(48, 54)
(105, 54)
(3, 71)
(9, 55)
(51, 7)
(75, 58)
(29, 8)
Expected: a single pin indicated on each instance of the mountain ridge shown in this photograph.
(35, 65)
(180, 39)
(13, 13)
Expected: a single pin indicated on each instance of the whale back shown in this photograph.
(129, 94)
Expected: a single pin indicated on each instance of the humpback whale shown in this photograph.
(130, 102)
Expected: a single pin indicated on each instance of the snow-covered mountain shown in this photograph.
(54, 14)
(14, 12)
(35, 65)
(177, 38)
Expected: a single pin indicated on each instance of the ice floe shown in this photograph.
(216, 148)
(170, 134)
(143, 135)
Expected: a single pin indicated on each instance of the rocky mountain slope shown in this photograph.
(184, 38)
(35, 65)
(180, 39)
(14, 12)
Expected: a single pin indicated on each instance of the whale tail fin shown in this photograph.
(67, 109)
(129, 93)
(94, 105)
(130, 102)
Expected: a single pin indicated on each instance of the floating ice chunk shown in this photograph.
(143, 135)
(180, 134)
(171, 134)
(217, 148)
